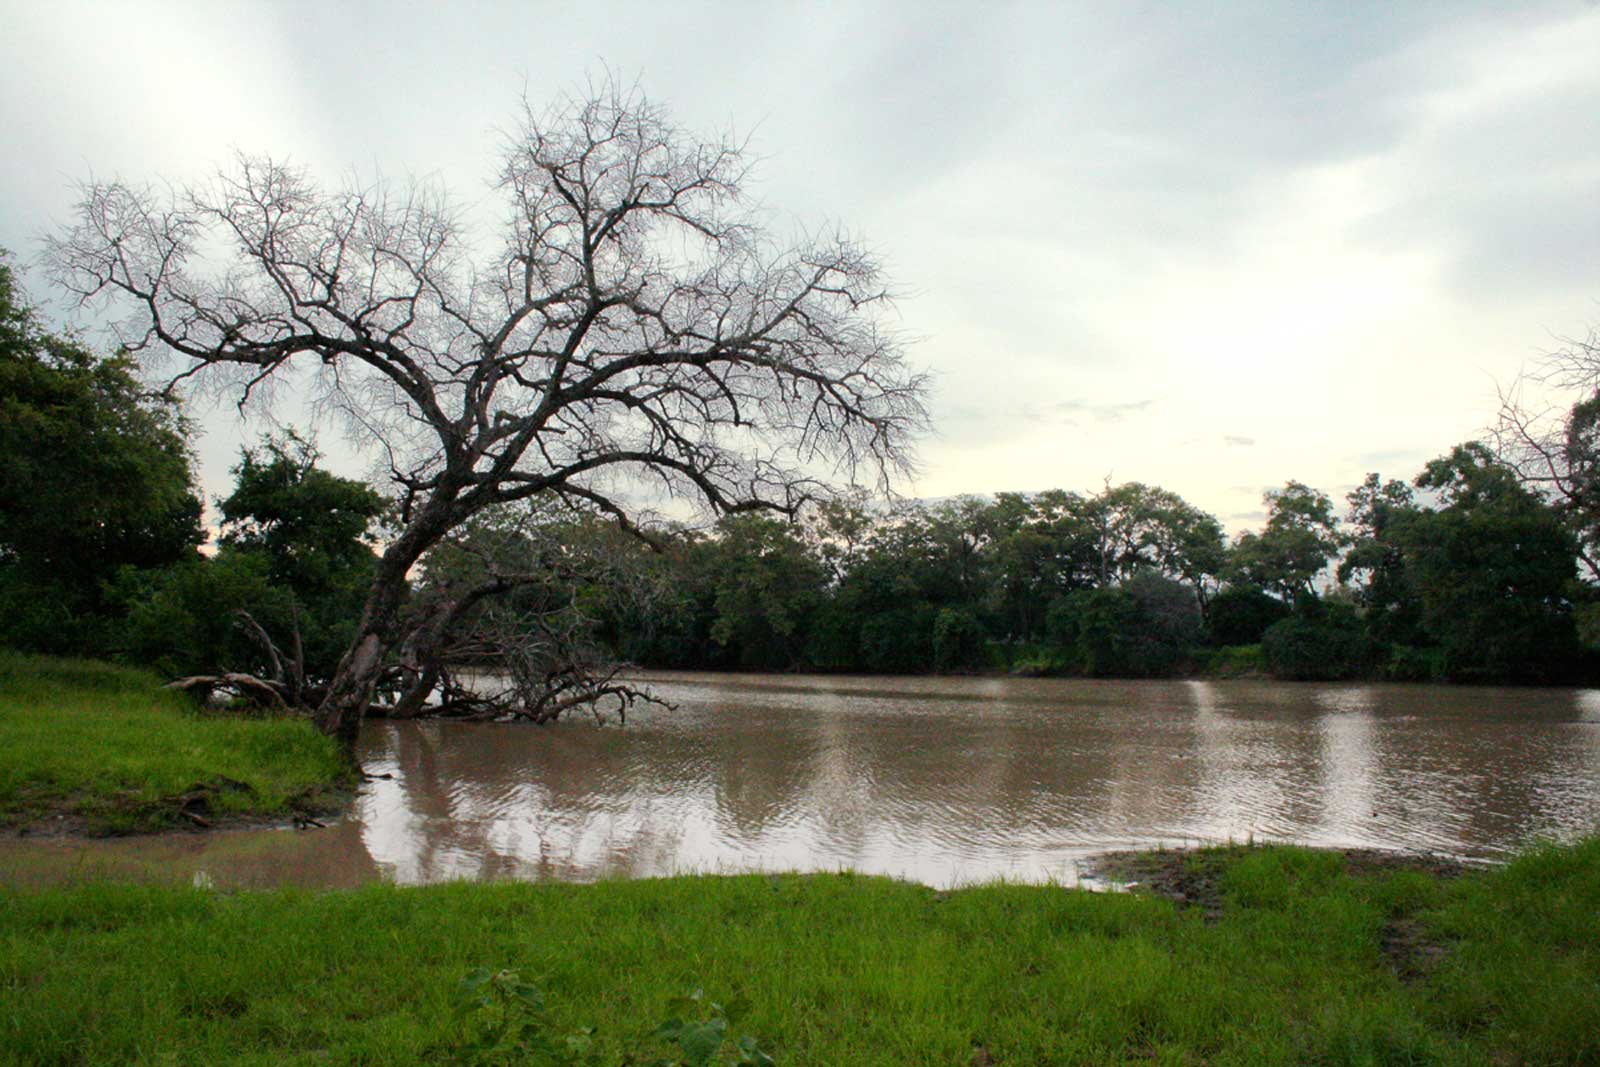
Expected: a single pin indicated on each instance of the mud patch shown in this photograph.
(196, 805)
(1192, 878)
(1370, 862)
(1188, 878)
(196, 809)
(1409, 950)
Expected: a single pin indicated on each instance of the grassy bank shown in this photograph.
(96, 748)
(1298, 959)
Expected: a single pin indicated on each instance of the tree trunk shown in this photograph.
(351, 689)
(350, 692)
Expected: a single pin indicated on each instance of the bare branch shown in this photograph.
(636, 325)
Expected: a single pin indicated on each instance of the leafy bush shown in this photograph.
(900, 640)
(1240, 615)
(957, 639)
(506, 1018)
(1233, 661)
(1032, 661)
(1409, 664)
(1330, 646)
(182, 619)
(1094, 627)
(1144, 628)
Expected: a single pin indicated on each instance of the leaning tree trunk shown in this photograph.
(351, 689)
(350, 692)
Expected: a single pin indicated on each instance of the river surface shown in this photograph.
(940, 780)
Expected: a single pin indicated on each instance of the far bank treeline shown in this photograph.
(1462, 573)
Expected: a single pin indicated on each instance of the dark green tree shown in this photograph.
(1319, 643)
(1300, 539)
(767, 588)
(1241, 614)
(94, 477)
(1374, 564)
(313, 528)
(1492, 565)
(281, 594)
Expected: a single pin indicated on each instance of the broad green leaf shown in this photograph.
(701, 1041)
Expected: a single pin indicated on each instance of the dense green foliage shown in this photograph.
(1492, 569)
(293, 552)
(1464, 576)
(293, 555)
(108, 750)
(94, 477)
(100, 523)
(1329, 644)
(1298, 959)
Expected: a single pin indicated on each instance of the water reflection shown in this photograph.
(938, 780)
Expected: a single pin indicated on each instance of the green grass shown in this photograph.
(1292, 968)
(111, 751)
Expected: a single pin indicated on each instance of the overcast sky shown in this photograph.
(1210, 247)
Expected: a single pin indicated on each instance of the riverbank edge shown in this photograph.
(187, 814)
(95, 749)
(1307, 956)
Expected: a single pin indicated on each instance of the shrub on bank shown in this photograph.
(1232, 661)
(1329, 646)
(1409, 664)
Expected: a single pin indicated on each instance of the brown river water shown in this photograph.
(940, 780)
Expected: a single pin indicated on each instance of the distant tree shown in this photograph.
(1492, 565)
(280, 597)
(94, 476)
(1145, 627)
(1319, 643)
(312, 525)
(1167, 623)
(1374, 564)
(839, 531)
(314, 529)
(184, 620)
(1094, 627)
(958, 640)
(1300, 539)
(1143, 527)
(1039, 548)
(632, 323)
(767, 586)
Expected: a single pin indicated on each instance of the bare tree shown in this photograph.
(634, 321)
(1552, 440)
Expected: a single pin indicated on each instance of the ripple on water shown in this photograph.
(941, 780)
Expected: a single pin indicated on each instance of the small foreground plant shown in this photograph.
(511, 1029)
(511, 1026)
(699, 1029)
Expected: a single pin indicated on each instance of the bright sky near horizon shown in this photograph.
(1206, 249)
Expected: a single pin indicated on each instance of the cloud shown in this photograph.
(1103, 413)
(1407, 459)
(1333, 226)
